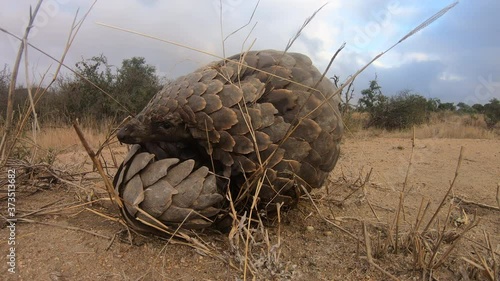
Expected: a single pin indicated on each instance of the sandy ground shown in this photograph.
(55, 247)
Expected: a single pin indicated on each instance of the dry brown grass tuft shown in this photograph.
(484, 266)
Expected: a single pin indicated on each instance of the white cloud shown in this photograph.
(396, 59)
(447, 76)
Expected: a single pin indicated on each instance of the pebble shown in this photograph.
(310, 228)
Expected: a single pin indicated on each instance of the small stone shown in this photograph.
(310, 228)
(328, 233)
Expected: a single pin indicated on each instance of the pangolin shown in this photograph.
(266, 120)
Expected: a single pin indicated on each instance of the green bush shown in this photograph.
(449, 106)
(492, 112)
(400, 112)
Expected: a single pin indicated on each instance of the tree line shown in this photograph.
(96, 91)
(407, 108)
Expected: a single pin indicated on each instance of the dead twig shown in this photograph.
(369, 257)
(460, 157)
(65, 227)
(110, 243)
(64, 207)
(498, 194)
(448, 251)
(481, 205)
(327, 220)
(109, 186)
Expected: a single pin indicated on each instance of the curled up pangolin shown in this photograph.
(259, 123)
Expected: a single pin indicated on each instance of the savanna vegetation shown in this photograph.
(398, 113)
(96, 91)
(99, 91)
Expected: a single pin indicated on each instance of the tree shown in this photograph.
(76, 96)
(479, 108)
(433, 104)
(85, 98)
(447, 106)
(465, 108)
(371, 98)
(4, 89)
(492, 112)
(402, 111)
(136, 83)
(132, 85)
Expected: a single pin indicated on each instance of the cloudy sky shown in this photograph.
(456, 59)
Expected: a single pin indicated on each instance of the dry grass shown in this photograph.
(455, 131)
(440, 125)
(64, 138)
(425, 240)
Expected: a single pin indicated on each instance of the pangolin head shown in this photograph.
(153, 127)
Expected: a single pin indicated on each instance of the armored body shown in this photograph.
(261, 124)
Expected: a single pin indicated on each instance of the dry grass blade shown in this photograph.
(65, 227)
(306, 23)
(459, 163)
(327, 220)
(368, 244)
(45, 210)
(448, 251)
(109, 186)
(481, 205)
(487, 265)
(437, 245)
(475, 264)
(368, 247)
(243, 26)
(252, 208)
(204, 52)
(429, 21)
(221, 30)
(75, 27)
(105, 216)
(353, 77)
(36, 125)
(7, 144)
(5, 150)
(491, 252)
(405, 183)
(330, 65)
(498, 195)
(415, 30)
(421, 214)
(397, 222)
(159, 39)
(70, 69)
